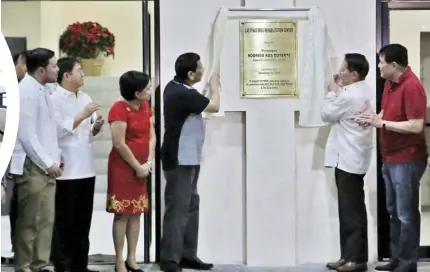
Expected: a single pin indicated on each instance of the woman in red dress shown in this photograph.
(133, 140)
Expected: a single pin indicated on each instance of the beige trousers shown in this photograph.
(35, 218)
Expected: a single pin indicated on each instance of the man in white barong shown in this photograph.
(348, 150)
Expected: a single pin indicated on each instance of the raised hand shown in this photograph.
(89, 109)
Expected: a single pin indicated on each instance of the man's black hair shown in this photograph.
(357, 63)
(38, 58)
(65, 65)
(395, 53)
(186, 63)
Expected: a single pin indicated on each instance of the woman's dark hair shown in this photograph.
(131, 82)
(186, 63)
(395, 53)
(65, 65)
(38, 58)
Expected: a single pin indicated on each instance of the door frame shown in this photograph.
(146, 61)
(383, 8)
(147, 52)
(158, 122)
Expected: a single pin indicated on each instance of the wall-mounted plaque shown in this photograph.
(268, 65)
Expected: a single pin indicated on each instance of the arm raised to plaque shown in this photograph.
(334, 107)
(214, 85)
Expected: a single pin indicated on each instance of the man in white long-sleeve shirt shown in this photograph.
(77, 124)
(348, 149)
(35, 163)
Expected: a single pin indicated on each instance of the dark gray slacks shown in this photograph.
(181, 215)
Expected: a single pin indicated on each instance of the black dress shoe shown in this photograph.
(336, 265)
(5, 260)
(406, 268)
(87, 270)
(393, 264)
(131, 269)
(168, 266)
(352, 267)
(61, 267)
(195, 264)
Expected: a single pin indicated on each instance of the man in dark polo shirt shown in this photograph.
(181, 156)
(404, 153)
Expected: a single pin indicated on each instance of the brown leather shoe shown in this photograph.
(336, 265)
(352, 267)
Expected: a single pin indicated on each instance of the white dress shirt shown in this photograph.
(51, 87)
(75, 144)
(349, 145)
(37, 130)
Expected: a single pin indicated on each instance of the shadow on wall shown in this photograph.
(316, 184)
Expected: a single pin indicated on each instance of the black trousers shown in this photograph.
(73, 214)
(352, 216)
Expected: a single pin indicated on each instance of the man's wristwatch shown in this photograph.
(384, 123)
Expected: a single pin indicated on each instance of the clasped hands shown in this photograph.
(369, 118)
(54, 171)
(143, 170)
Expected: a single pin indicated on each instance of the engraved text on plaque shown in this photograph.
(268, 51)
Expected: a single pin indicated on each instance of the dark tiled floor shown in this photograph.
(424, 267)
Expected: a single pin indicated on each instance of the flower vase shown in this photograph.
(92, 67)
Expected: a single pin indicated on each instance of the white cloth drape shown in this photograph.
(213, 54)
(312, 81)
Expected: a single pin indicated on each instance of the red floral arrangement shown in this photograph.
(87, 40)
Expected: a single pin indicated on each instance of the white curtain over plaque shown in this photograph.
(311, 78)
